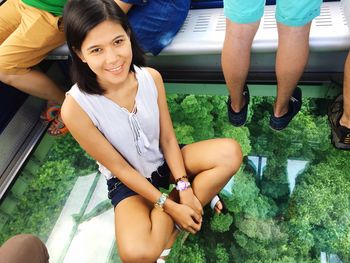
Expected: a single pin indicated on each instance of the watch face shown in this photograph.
(181, 185)
(162, 199)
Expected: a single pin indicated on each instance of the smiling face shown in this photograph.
(107, 51)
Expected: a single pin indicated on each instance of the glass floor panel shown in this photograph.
(290, 201)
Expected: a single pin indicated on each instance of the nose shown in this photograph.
(112, 55)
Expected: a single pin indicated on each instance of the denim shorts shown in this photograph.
(117, 191)
(288, 12)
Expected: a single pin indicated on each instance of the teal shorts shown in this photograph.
(288, 12)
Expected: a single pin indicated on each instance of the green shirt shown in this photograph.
(54, 7)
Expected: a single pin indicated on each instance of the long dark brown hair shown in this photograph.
(80, 17)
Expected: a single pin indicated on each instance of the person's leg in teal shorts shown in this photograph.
(293, 27)
(242, 22)
(294, 19)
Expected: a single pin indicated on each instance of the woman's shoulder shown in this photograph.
(73, 96)
(73, 90)
(154, 73)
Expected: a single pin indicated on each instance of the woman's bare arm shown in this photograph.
(97, 146)
(170, 146)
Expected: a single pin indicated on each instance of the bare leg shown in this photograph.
(235, 59)
(213, 163)
(292, 56)
(38, 84)
(345, 119)
(142, 232)
(35, 83)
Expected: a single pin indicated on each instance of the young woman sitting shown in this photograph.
(118, 113)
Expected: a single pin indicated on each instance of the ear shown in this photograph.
(79, 54)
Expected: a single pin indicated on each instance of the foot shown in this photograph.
(239, 118)
(279, 123)
(57, 127)
(164, 255)
(340, 134)
(51, 111)
(217, 205)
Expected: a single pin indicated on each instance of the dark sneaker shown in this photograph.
(239, 118)
(279, 123)
(340, 135)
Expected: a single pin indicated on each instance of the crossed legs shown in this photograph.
(212, 163)
(143, 232)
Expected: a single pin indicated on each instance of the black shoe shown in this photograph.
(239, 118)
(340, 135)
(279, 123)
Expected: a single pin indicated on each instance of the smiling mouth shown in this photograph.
(115, 69)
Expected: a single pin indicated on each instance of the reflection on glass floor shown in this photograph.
(87, 216)
(288, 203)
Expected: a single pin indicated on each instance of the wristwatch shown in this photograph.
(182, 185)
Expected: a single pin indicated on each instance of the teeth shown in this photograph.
(115, 69)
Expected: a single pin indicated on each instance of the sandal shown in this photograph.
(51, 112)
(340, 135)
(57, 127)
(165, 253)
(49, 104)
(214, 202)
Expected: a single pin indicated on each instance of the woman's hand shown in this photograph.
(188, 198)
(184, 216)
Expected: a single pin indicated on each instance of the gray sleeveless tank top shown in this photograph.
(135, 135)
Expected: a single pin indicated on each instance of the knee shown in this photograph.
(133, 253)
(8, 79)
(10, 73)
(4, 78)
(231, 155)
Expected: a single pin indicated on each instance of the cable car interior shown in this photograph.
(295, 188)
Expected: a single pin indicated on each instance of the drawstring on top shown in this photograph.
(140, 138)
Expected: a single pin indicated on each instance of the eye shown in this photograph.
(95, 50)
(118, 41)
